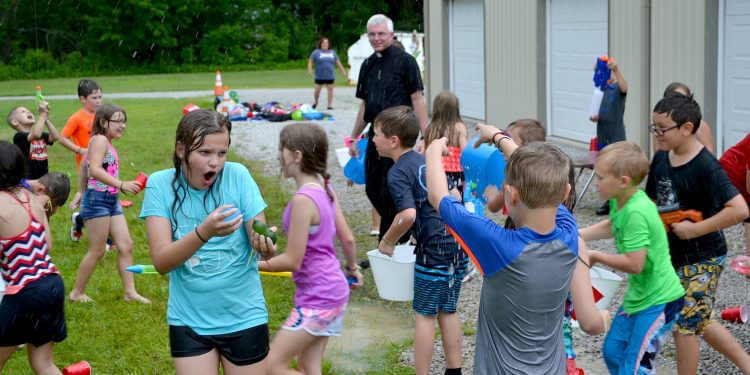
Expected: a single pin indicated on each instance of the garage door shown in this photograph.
(577, 34)
(735, 106)
(466, 20)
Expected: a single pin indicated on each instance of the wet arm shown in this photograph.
(417, 103)
(599, 231)
(302, 213)
(631, 262)
(591, 320)
(437, 186)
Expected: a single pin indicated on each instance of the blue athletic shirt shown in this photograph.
(217, 290)
(527, 278)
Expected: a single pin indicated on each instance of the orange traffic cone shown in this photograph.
(218, 86)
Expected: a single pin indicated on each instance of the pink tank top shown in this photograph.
(320, 281)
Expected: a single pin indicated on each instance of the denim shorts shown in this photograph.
(96, 204)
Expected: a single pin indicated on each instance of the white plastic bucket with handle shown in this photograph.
(606, 282)
(394, 276)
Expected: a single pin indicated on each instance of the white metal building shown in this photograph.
(534, 58)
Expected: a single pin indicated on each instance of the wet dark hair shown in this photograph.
(310, 140)
(681, 109)
(191, 132)
(56, 186)
(674, 86)
(86, 87)
(12, 166)
(401, 122)
(445, 116)
(105, 113)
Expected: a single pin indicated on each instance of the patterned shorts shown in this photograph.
(436, 288)
(700, 281)
(317, 322)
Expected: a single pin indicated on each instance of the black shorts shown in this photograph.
(35, 315)
(242, 348)
(323, 81)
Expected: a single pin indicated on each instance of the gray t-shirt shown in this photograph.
(527, 276)
(611, 125)
(325, 64)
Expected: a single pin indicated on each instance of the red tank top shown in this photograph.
(24, 257)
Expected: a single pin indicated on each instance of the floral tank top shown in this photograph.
(111, 164)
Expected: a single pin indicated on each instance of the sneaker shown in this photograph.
(374, 232)
(75, 236)
(315, 105)
(603, 210)
(330, 107)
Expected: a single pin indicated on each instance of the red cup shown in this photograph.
(735, 314)
(741, 264)
(80, 368)
(141, 180)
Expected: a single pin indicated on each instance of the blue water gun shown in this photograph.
(602, 72)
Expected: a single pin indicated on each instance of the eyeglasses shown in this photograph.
(660, 131)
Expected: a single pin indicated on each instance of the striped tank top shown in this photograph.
(24, 257)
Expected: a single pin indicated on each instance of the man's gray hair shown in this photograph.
(379, 19)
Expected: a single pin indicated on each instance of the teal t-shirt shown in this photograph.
(634, 227)
(218, 289)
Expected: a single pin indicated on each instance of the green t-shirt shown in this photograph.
(635, 227)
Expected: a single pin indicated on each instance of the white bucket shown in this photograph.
(394, 276)
(343, 155)
(606, 283)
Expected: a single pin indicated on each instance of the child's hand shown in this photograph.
(386, 248)
(353, 150)
(485, 134)
(684, 230)
(612, 64)
(355, 274)
(264, 245)
(82, 151)
(594, 118)
(349, 183)
(43, 108)
(216, 224)
(419, 147)
(76, 200)
(439, 144)
(131, 187)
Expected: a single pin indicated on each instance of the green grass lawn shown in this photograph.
(119, 337)
(167, 82)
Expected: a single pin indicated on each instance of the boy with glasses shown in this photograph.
(684, 173)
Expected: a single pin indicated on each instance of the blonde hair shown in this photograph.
(624, 158)
(539, 171)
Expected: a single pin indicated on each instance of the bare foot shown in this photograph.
(138, 298)
(79, 297)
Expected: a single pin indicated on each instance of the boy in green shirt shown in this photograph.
(654, 296)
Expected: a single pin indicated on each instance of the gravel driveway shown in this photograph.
(259, 141)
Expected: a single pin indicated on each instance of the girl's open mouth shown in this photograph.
(208, 176)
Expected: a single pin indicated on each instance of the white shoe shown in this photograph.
(469, 274)
(374, 233)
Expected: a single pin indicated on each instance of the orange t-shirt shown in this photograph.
(78, 129)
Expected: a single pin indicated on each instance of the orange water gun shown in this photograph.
(673, 214)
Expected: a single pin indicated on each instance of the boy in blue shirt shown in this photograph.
(528, 271)
(440, 262)
(654, 296)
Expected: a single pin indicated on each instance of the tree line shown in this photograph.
(69, 37)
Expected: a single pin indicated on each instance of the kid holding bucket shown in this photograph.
(312, 220)
(199, 218)
(654, 296)
(100, 206)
